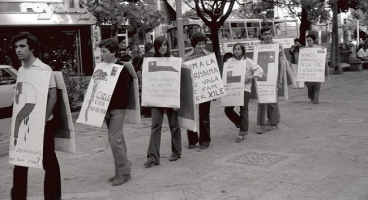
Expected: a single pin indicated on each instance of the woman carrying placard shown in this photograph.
(198, 42)
(252, 71)
(313, 87)
(161, 49)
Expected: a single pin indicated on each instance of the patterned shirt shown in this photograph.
(191, 55)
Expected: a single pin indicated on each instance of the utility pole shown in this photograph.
(335, 41)
(179, 27)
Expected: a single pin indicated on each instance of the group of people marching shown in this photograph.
(268, 116)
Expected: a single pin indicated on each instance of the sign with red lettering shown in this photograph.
(99, 92)
(207, 80)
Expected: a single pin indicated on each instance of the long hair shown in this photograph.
(157, 45)
(242, 47)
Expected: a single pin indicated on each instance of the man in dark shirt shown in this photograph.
(116, 113)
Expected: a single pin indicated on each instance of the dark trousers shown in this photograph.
(242, 120)
(271, 110)
(153, 152)
(204, 126)
(313, 91)
(52, 183)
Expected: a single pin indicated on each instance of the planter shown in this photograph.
(355, 66)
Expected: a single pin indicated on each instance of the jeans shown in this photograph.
(242, 120)
(116, 139)
(273, 114)
(153, 153)
(313, 91)
(204, 126)
(52, 182)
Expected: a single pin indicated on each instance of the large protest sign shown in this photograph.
(311, 64)
(188, 114)
(133, 110)
(98, 95)
(64, 135)
(233, 79)
(28, 122)
(161, 82)
(207, 80)
(267, 56)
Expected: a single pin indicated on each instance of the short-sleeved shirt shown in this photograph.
(39, 65)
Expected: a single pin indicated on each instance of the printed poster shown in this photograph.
(28, 122)
(233, 79)
(312, 64)
(98, 95)
(64, 135)
(207, 80)
(133, 110)
(161, 82)
(188, 112)
(267, 56)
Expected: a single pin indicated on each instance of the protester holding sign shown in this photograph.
(26, 47)
(198, 42)
(313, 87)
(294, 52)
(153, 154)
(253, 70)
(271, 110)
(116, 111)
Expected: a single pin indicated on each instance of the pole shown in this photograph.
(179, 20)
(337, 67)
(358, 39)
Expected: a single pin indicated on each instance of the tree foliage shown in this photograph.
(142, 18)
(255, 10)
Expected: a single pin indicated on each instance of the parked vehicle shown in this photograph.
(8, 79)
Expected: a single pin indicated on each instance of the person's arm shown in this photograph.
(51, 100)
(130, 69)
(257, 71)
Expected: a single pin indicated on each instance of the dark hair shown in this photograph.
(198, 37)
(312, 36)
(296, 40)
(264, 29)
(361, 46)
(157, 45)
(125, 58)
(226, 57)
(242, 48)
(110, 44)
(32, 41)
(148, 46)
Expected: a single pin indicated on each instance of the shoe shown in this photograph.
(243, 133)
(174, 158)
(240, 138)
(203, 147)
(150, 163)
(191, 146)
(261, 130)
(121, 179)
(271, 128)
(112, 179)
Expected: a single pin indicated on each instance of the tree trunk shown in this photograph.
(304, 26)
(337, 66)
(216, 45)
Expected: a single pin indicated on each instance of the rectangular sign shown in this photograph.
(161, 82)
(188, 112)
(28, 122)
(312, 64)
(206, 78)
(64, 135)
(98, 95)
(233, 79)
(267, 56)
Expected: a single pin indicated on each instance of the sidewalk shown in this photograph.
(318, 152)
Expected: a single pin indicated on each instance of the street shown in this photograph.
(318, 152)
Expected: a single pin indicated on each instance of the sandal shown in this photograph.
(240, 138)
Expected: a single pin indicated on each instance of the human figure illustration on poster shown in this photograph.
(27, 91)
(264, 58)
(97, 77)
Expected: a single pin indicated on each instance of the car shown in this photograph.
(8, 79)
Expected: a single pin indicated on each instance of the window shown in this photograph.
(6, 77)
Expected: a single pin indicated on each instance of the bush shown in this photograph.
(76, 86)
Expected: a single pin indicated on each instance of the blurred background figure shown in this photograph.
(4, 60)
